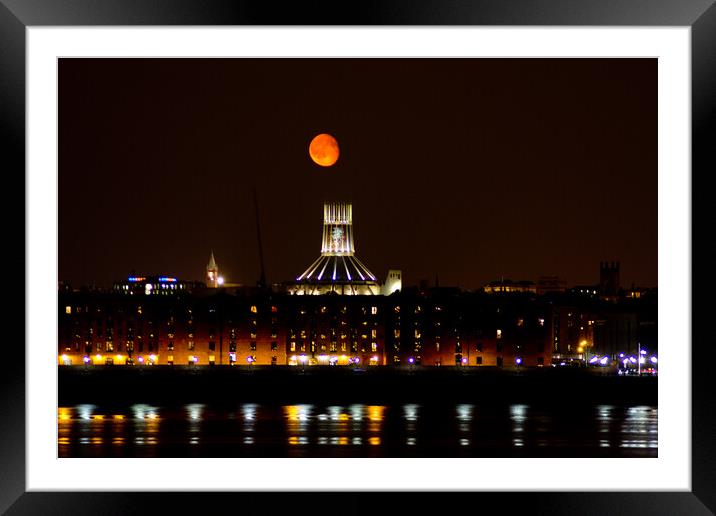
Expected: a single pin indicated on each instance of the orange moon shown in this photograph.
(324, 150)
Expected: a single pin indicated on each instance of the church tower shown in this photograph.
(609, 279)
(212, 273)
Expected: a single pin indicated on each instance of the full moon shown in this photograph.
(324, 150)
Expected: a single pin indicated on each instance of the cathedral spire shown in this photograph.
(212, 272)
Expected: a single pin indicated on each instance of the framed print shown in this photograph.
(502, 194)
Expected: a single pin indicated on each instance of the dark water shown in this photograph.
(358, 430)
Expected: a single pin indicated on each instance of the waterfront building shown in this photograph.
(439, 327)
(429, 327)
(572, 328)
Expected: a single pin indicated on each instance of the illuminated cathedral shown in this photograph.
(338, 269)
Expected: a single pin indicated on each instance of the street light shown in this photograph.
(641, 359)
(303, 359)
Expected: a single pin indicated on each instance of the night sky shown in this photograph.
(472, 169)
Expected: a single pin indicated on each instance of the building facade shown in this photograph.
(437, 327)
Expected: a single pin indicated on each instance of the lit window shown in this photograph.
(68, 309)
(374, 347)
(253, 309)
(499, 334)
(373, 310)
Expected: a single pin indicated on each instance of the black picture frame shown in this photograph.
(700, 15)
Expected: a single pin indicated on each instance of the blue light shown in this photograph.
(166, 279)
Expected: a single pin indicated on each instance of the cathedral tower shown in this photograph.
(212, 273)
(337, 269)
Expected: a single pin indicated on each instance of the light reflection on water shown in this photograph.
(637, 431)
(251, 429)
(518, 416)
(336, 425)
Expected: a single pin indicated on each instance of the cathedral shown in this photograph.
(338, 269)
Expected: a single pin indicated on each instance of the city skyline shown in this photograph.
(455, 168)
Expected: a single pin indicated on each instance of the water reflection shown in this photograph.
(411, 413)
(518, 416)
(195, 414)
(604, 422)
(639, 428)
(335, 425)
(251, 429)
(464, 418)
